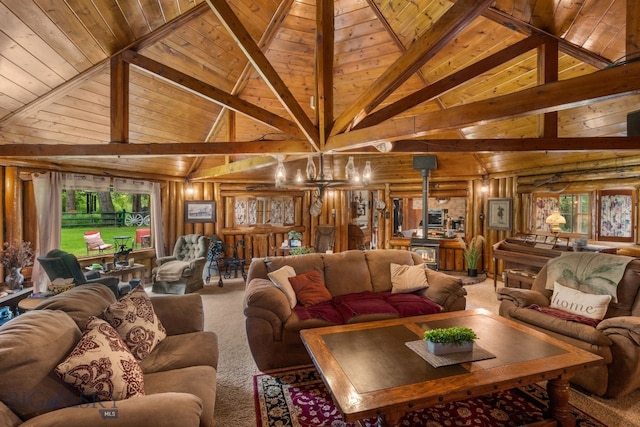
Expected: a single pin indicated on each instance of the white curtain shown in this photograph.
(156, 220)
(74, 181)
(48, 194)
(123, 185)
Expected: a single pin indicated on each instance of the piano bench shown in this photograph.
(515, 278)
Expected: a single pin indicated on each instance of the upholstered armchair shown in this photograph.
(60, 264)
(182, 271)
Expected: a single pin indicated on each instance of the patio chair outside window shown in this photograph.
(94, 242)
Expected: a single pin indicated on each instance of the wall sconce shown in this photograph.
(484, 187)
(189, 188)
(555, 219)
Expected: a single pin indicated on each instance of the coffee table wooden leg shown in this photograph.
(559, 392)
(390, 419)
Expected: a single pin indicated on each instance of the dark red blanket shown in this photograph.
(571, 317)
(342, 308)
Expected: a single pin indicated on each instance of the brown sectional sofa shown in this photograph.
(179, 374)
(273, 327)
(616, 338)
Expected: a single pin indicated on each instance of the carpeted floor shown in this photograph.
(235, 400)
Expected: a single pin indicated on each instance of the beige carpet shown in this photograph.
(235, 405)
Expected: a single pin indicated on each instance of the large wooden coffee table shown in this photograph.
(371, 373)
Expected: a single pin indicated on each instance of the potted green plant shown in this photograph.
(300, 250)
(450, 340)
(472, 253)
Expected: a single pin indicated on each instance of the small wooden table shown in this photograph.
(127, 273)
(371, 373)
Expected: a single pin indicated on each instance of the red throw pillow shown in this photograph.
(309, 288)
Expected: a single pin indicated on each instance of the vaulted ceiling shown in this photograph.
(218, 90)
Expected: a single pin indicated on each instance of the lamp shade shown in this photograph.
(555, 219)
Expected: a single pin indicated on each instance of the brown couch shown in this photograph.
(179, 374)
(273, 328)
(616, 338)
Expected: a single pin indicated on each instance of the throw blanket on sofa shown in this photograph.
(171, 271)
(592, 273)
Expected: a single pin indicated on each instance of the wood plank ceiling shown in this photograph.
(215, 90)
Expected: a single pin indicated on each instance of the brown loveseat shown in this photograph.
(273, 327)
(616, 338)
(179, 374)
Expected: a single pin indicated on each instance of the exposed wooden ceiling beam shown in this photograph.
(564, 46)
(264, 68)
(300, 147)
(450, 82)
(119, 99)
(235, 167)
(324, 67)
(165, 149)
(515, 144)
(422, 50)
(633, 29)
(212, 93)
(603, 84)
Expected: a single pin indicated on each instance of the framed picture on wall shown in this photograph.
(200, 211)
(499, 215)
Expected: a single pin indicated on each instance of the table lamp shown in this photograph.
(555, 219)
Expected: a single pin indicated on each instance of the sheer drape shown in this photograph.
(48, 194)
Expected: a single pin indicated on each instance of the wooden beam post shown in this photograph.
(119, 99)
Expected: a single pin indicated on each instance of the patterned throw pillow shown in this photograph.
(136, 322)
(101, 365)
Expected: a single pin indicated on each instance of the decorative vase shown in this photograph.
(14, 279)
(439, 348)
(472, 272)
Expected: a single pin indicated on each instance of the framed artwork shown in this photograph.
(240, 212)
(277, 211)
(200, 211)
(252, 208)
(499, 217)
(289, 212)
(616, 215)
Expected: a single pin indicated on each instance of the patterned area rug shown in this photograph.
(299, 398)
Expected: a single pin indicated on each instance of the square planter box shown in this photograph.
(447, 348)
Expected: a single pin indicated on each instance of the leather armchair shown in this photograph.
(616, 338)
(182, 271)
(60, 264)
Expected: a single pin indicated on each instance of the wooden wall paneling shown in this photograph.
(208, 194)
(220, 208)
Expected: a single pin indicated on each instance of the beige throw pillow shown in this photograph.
(573, 301)
(408, 278)
(101, 365)
(280, 279)
(136, 322)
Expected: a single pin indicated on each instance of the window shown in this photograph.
(615, 215)
(109, 212)
(575, 208)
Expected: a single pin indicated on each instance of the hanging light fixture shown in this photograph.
(281, 174)
(366, 173)
(325, 178)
